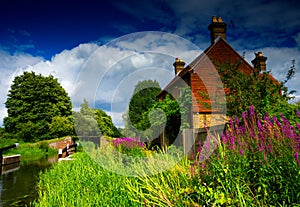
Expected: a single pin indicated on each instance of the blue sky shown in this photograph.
(58, 37)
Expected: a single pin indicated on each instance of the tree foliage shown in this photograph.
(143, 98)
(94, 122)
(256, 89)
(34, 103)
(167, 116)
(173, 116)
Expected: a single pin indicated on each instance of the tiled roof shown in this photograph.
(202, 77)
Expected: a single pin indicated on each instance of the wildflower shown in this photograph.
(237, 121)
(242, 129)
(298, 113)
(245, 115)
(231, 123)
(298, 126)
(200, 146)
(268, 120)
(224, 137)
(241, 152)
(275, 120)
(252, 113)
(260, 128)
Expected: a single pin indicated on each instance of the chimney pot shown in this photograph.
(259, 62)
(214, 19)
(217, 29)
(178, 65)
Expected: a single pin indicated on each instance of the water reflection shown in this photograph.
(18, 188)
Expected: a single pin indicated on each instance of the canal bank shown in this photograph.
(18, 188)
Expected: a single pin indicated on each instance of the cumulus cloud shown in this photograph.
(114, 69)
(63, 66)
(105, 75)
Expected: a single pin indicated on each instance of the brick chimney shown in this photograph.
(178, 66)
(259, 62)
(217, 29)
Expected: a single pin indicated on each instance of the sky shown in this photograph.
(99, 50)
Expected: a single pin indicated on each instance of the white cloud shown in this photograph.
(64, 66)
(108, 73)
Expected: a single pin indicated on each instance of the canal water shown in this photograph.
(18, 188)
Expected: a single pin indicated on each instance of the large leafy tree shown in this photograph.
(143, 98)
(94, 122)
(35, 106)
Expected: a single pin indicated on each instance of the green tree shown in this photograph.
(143, 98)
(33, 101)
(61, 126)
(93, 122)
(256, 89)
(173, 116)
(105, 124)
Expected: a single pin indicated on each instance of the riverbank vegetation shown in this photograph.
(255, 163)
(30, 151)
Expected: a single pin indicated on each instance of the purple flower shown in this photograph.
(127, 142)
(298, 126)
(268, 120)
(231, 123)
(298, 113)
(224, 138)
(242, 130)
(252, 113)
(245, 115)
(237, 121)
(241, 152)
(260, 127)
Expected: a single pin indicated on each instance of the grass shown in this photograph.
(81, 183)
(254, 164)
(30, 151)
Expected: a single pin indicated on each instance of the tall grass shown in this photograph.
(255, 163)
(81, 183)
(86, 182)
